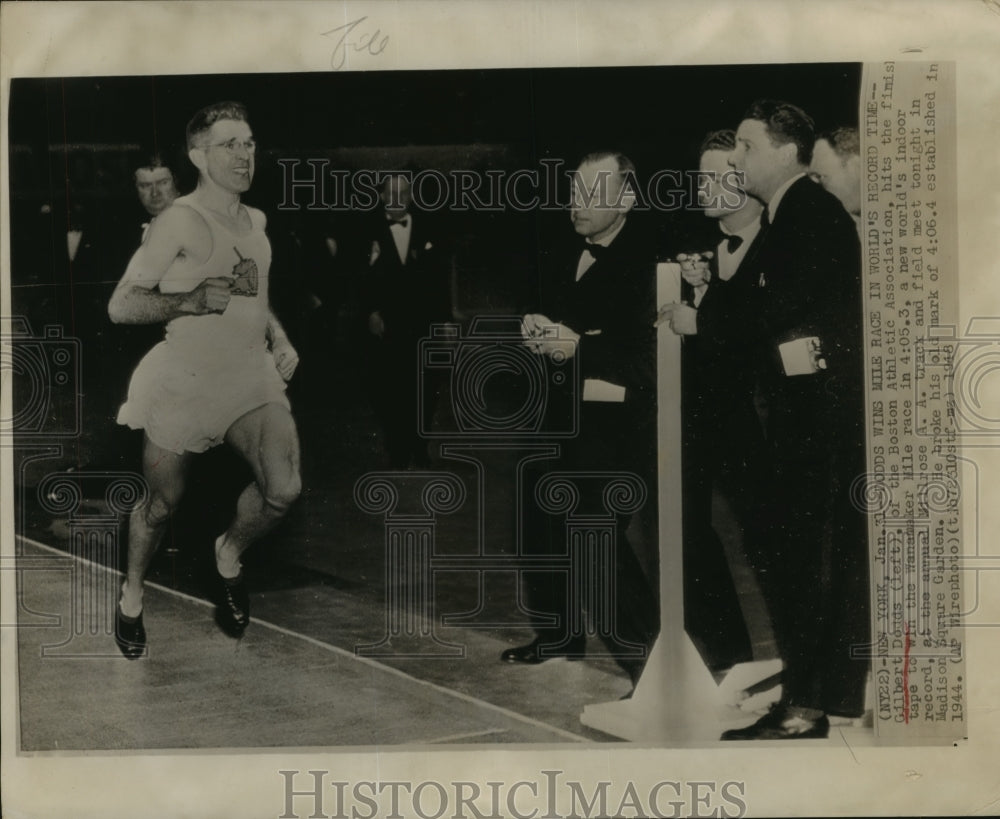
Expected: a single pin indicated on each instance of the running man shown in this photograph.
(220, 373)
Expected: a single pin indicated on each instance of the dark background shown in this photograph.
(75, 143)
(78, 140)
(91, 128)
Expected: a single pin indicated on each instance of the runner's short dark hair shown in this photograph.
(211, 114)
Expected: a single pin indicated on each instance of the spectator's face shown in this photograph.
(156, 189)
(395, 196)
(228, 150)
(765, 165)
(842, 177)
(598, 204)
(717, 195)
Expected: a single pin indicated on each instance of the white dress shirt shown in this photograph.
(73, 238)
(401, 236)
(728, 263)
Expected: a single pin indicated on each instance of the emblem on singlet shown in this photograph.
(244, 277)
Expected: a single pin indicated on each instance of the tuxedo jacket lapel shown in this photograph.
(750, 257)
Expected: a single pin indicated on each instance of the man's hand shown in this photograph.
(694, 268)
(533, 325)
(285, 357)
(546, 337)
(683, 320)
(376, 326)
(211, 296)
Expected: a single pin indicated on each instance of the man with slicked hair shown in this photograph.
(800, 315)
(219, 375)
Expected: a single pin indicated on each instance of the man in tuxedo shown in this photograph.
(722, 440)
(798, 309)
(405, 291)
(836, 165)
(598, 304)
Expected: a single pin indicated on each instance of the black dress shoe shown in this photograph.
(532, 654)
(233, 611)
(130, 635)
(778, 724)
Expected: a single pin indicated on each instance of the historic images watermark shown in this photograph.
(551, 795)
(311, 184)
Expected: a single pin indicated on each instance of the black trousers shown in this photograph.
(612, 587)
(402, 393)
(722, 452)
(813, 566)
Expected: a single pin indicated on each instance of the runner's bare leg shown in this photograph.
(267, 439)
(165, 474)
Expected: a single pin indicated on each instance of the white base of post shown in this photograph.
(678, 706)
(733, 688)
(676, 702)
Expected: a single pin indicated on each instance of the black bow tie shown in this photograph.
(733, 242)
(404, 222)
(595, 250)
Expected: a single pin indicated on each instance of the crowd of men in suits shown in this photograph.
(773, 402)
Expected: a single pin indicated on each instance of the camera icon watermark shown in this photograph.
(516, 395)
(500, 389)
(44, 372)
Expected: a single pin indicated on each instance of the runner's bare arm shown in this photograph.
(274, 329)
(137, 300)
(285, 357)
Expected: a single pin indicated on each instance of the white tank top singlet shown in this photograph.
(244, 258)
